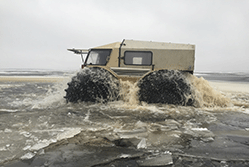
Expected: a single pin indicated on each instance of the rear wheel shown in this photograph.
(165, 86)
(93, 84)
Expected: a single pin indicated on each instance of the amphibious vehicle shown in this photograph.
(158, 68)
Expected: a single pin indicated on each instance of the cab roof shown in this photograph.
(133, 44)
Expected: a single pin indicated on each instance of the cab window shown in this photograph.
(98, 56)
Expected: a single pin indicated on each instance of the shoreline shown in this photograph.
(230, 86)
(31, 79)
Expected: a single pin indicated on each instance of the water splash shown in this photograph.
(205, 95)
(128, 93)
(54, 96)
(202, 92)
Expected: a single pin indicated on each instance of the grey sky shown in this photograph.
(36, 33)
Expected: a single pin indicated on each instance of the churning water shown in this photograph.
(38, 127)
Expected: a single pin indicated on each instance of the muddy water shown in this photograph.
(38, 128)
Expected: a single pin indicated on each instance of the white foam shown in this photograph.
(28, 156)
(125, 155)
(8, 110)
(7, 130)
(68, 133)
(199, 129)
(42, 144)
(34, 144)
(245, 111)
(27, 147)
(142, 144)
(200, 74)
(3, 148)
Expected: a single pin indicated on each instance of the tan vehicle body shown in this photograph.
(126, 58)
(158, 68)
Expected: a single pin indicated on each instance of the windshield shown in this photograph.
(98, 56)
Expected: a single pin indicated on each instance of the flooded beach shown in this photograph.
(39, 128)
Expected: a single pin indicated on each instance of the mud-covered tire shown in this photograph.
(92, 85)
(165, 86)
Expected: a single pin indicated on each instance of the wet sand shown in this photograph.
(30, 79)
(230, 86)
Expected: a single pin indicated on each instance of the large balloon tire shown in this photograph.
(93, 85)
(165, 86)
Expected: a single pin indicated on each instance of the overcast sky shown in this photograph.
(36, 33)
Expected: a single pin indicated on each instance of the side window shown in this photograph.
(143, 58)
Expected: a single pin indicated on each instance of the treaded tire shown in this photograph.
(165, 86)
(93, 84)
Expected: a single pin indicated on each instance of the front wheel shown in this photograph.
(93, 84)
